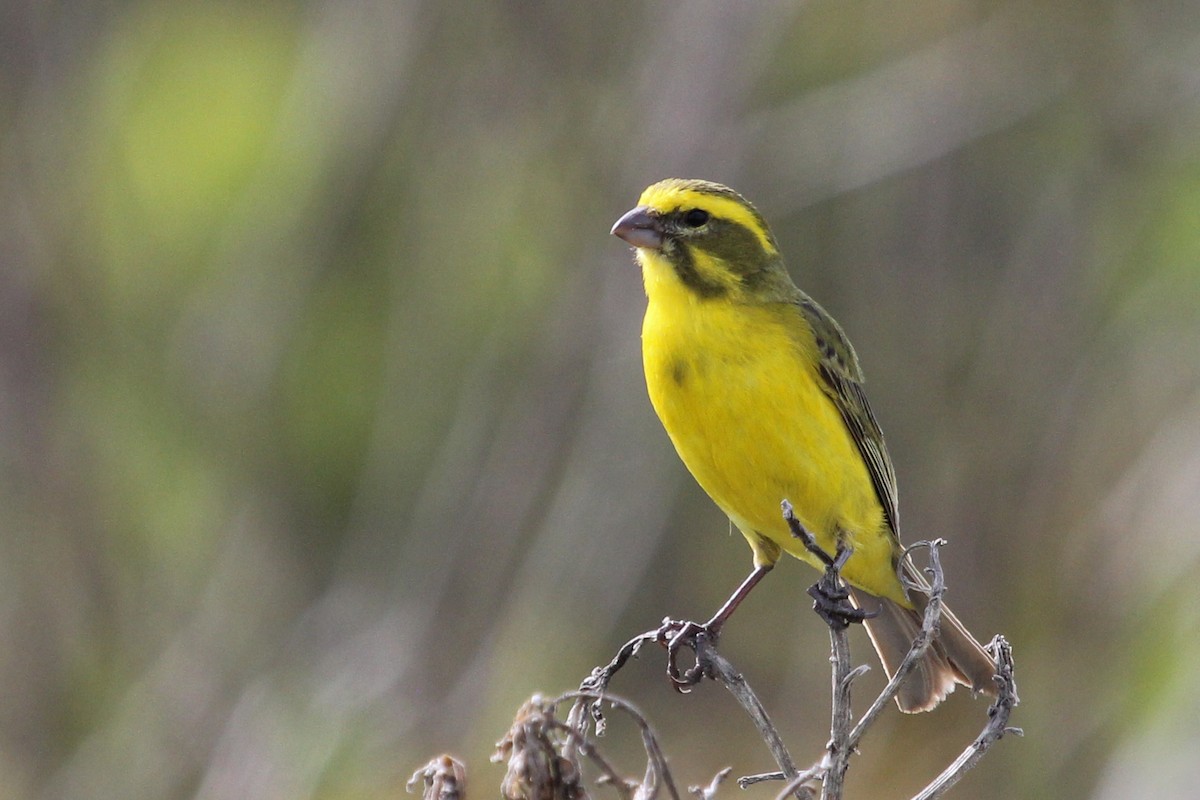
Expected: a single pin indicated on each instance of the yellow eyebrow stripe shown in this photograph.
(667, 196)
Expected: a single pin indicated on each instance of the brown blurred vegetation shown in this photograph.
(323, 438)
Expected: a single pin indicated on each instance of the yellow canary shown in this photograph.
(761, 393)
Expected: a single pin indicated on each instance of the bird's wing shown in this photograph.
(843, 381)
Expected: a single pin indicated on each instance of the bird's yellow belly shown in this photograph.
(751, 422)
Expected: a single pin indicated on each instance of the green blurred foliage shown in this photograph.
(323, 440)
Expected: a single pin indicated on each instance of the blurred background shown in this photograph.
(323, 436)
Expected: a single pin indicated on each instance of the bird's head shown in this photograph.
(708, 238)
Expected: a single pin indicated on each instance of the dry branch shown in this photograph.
(545, 755)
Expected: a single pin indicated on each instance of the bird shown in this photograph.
(762, 395)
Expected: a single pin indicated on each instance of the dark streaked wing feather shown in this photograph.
(843, 383)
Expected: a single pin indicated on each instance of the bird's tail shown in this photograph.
(954, 657)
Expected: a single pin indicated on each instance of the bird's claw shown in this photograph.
(677, 634)
(831, 598)
(831, 601)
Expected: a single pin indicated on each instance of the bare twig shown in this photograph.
(997, 726)
(827, 775)
(657, 772)
(577, 746)
(596, 684)
(710, 792)
(747, 781)
(709, 663)
(806, 785)
(722, 670)
(839, 749)
(929, 627)
(828, 594)
(832, 604)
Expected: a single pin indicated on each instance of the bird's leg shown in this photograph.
(676, 634)
(714, 625)
(831, 598)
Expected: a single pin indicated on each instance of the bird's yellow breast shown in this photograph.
(737, 389)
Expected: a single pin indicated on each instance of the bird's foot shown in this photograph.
(676, 634)
(831, 598)
(831, 601)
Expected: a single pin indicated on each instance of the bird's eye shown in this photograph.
(695, 218)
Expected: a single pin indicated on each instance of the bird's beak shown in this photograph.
(640, 227)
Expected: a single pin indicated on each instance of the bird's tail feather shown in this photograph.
(954, 657)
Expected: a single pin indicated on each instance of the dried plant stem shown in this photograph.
(828, 774)
(993, 731)
(837, 753)
(929, 627)
(713, 665)
(657, 775)
(740, 689)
